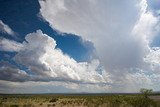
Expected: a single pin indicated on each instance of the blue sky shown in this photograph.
(23, 18)
(79, 46)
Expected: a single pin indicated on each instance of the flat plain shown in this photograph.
(79, 100)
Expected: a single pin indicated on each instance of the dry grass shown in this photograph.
(78, 101)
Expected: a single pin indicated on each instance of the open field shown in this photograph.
(79, 100)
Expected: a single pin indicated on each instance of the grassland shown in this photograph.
(80, 100)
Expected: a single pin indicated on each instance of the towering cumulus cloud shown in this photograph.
(121, 32)
(46, 63)
(46, 66)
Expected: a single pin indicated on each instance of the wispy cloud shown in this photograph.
(6, 29)
(9, 45)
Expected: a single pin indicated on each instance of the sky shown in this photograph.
(77, 46)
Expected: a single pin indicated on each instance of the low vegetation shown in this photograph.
(86, 100)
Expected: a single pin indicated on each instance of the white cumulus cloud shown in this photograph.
(41, 57)
(47, 65)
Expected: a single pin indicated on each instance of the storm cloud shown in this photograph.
(121, 32)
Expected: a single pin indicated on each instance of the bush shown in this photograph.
(140, 101)
(53, 100)
(146, 92)
(14, 106)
